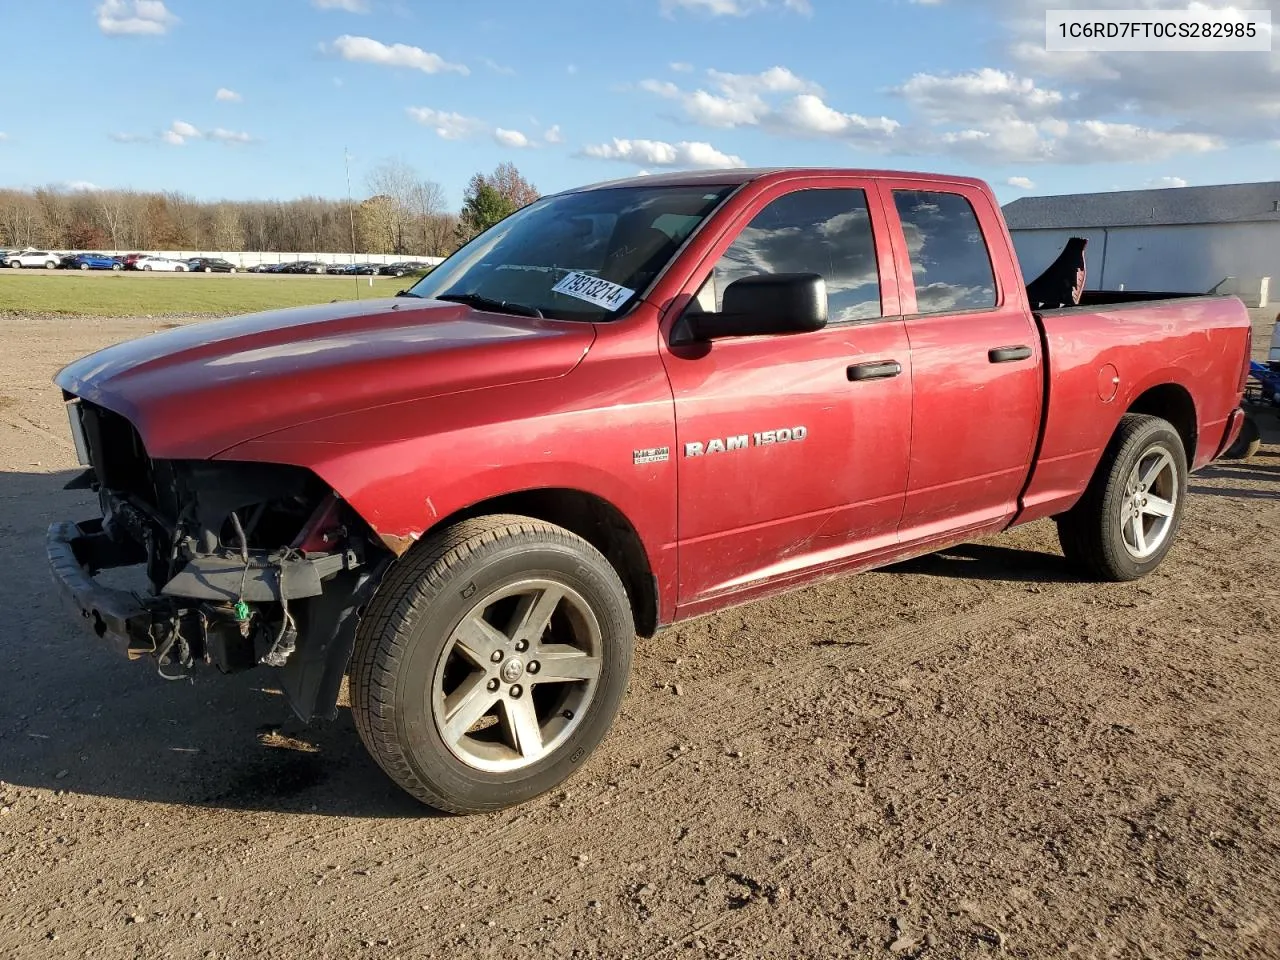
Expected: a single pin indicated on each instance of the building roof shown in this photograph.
(1223, 203)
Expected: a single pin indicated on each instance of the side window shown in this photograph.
(827, 232)
(949, 258)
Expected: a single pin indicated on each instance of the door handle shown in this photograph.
(880, 370)
(1008, 354)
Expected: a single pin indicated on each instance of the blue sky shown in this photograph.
(126, 93)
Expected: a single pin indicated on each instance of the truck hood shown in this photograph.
(197, 390)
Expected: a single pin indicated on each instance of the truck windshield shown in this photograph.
(574, 256)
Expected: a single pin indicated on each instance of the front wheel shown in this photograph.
(50, 264)
(117, 267)
(491, 663)
(1129, 516)
(147, 268)
(84, 266)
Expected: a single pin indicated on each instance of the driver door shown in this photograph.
(793, 449)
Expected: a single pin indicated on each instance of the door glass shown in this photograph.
(827, 232)
(949, 258)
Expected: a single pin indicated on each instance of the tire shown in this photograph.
(232, 270)
(146, 268)
(1247, 444)
(51, 264)
(15, 265)
(117, 267)
(420, 643)
(208, 269)
(84, 266)
(179, 269)
(1099, 534)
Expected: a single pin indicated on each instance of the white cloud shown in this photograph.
(553, 135)
(173, 139)
(129, 137)
(977, 94)
(736, 99)
(79, 186)
(808, 115)
(1163, 182)
(367, 50)
(229, 136)
(227, 96)
(184, 129)
(3, 136)
(510, 138)
(1022, 183)
(733, 8)
(350, 6)
(134, 17)
(498, 67)
(658, 153)
(447, 125)
(681, 67)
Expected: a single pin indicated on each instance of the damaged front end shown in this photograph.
(247, 563)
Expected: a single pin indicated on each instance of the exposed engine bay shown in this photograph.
(248, 563)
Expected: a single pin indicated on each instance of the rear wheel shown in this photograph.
(208, 269)
(50, 264)
(84, 266)
(1129, 516)
(146, 267)
(117, 266)
(1247, 444)
(491, 663)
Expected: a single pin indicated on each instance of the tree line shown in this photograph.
(402, 213)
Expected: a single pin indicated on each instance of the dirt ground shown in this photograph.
(969, 755)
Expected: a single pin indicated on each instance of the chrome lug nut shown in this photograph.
(496, 656)
(516, 691)
(492, 685)
(522, 646)
(532, 667)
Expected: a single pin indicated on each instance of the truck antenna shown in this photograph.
(351, 212)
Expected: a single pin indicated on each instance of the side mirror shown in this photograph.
(774, 303)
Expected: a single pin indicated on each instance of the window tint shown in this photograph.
(949, 258)
(827, 232)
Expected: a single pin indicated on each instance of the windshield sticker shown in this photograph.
(603, 293)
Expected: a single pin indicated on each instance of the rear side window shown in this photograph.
(949, 258)
(827, 232)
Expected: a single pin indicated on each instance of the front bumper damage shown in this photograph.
(194, 618)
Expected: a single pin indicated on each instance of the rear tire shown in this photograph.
(84, 266)
(491, 663)
(1129, 516)
(51, 264)
(147, 268)
(1247, 444)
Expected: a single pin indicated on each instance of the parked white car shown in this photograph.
(32, 258)
(160, 263)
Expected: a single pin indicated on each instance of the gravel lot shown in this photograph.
(970, 755)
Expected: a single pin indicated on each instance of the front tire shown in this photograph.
(1129, 516)
(491, 663)
(51, 264)
(147, 268)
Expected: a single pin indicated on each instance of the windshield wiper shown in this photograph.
(408, 293)
(488, 303)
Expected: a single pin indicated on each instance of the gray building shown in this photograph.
(1189, 239)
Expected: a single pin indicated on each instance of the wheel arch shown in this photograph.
(1172, 402)
(596, 520)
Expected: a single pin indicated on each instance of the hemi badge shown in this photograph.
(651, 455)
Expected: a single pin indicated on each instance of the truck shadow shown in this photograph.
(74, 717)
(991, 561)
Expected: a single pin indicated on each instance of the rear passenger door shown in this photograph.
(792, 449)
(975, 360)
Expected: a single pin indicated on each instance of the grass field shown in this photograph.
(152, 294)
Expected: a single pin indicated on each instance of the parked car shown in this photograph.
(368, 269)
(338, 269)
(91, 261)
(149, 263)
(479, 492)
(130, 260)
(33, 258)
(210, 265)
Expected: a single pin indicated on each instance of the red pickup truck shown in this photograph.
(622, 407)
